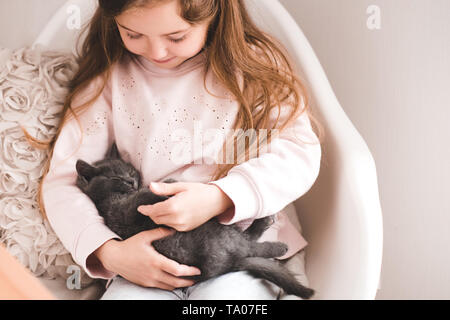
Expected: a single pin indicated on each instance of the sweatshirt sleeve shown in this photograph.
(72, 215)
(264, 185)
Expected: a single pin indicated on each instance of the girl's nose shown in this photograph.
(157, 50)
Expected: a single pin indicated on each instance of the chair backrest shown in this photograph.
(62, 30)
(340, 215)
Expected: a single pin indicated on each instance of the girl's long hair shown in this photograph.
(251, 64)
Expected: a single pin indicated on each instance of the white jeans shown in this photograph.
(231, 286)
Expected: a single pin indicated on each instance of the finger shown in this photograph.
(172, 221)
(158, 233)
(153, 209)
(167, 188)
(176, 269)
(163, 285)
(166, 220)
(174, 282)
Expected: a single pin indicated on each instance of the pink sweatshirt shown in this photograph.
(166, 124)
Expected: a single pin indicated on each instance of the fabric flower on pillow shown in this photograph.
(14, 181)
(17, 152)
(15, 102)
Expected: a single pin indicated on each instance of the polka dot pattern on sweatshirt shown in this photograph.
(133, 110)
(96, 125)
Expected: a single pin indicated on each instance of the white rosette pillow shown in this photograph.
(33, 86)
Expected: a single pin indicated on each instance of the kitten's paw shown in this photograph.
(279, 249)
(269, 220)
(265, 223)
(258, 227)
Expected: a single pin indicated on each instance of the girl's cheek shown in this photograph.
(135, 47)
(130, 45)
(187, 50)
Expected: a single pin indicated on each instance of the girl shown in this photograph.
(153, 74)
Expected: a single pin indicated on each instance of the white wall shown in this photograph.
(394, 85)
(21, 20)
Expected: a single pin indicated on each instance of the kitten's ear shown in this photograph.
(85, 170)
(113, 152)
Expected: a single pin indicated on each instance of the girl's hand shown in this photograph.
(192, 204)
(137, 261)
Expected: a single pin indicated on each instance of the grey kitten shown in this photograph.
(115, 188)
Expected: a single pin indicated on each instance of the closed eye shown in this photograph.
(178, 40)
(123, 180)
(135, 37)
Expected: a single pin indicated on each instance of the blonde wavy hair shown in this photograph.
(250, 63)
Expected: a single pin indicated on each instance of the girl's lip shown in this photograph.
(163, 61)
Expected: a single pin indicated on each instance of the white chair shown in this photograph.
(341, 215)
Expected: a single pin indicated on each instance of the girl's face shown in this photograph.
(158, 33)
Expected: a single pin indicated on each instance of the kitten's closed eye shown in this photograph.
(132, 183)
(118, 185)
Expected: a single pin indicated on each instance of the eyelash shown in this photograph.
(172, 40)
(133, 37)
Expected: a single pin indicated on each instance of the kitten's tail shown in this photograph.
(274, 272)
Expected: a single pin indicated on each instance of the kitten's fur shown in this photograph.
(115, 188)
